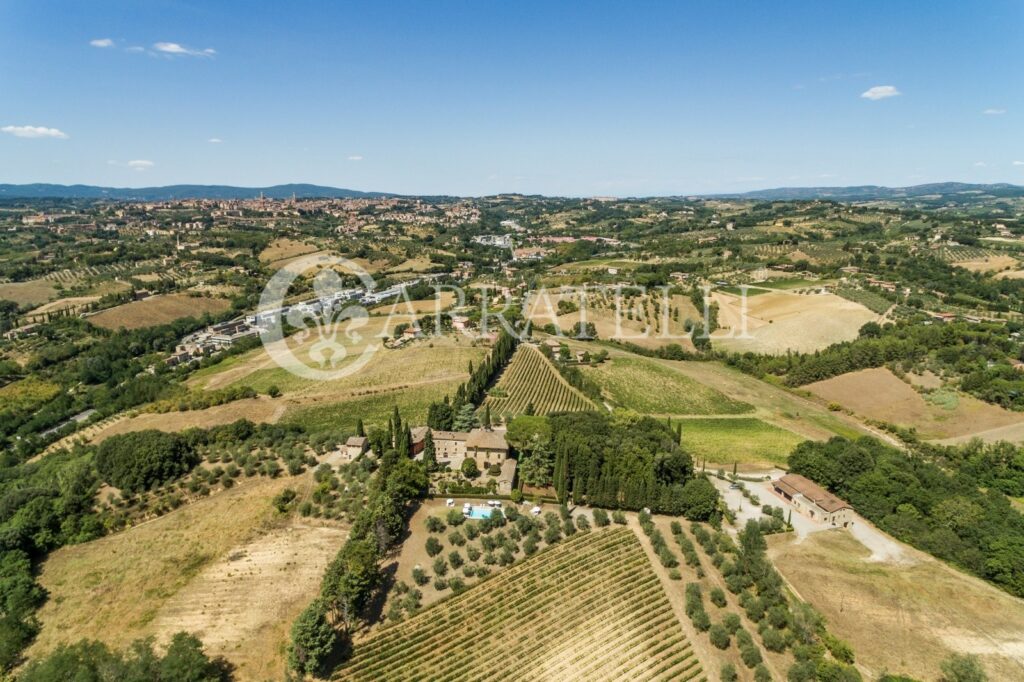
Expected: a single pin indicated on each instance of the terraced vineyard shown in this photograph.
(590, 608)
(530, 378)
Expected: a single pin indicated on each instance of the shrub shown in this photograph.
(717, 596)
(473, 553)
(701, 621)
(433, 547)
(750, 655)
(455, 559)
(434, 524)
(472, 532)
(719, 636)
(440, 584)
(619, 518)
(729, 673)
(582, 523)
(601, 518)
(313, 639)
(761, 673)
(731, 621)
(773, 640)
(674, 574)
(440, 566)
(455, 517)
(456, 538)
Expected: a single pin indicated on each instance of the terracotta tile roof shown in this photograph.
(795, 484)
(486, 440)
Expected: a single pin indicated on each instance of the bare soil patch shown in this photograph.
(879, 394)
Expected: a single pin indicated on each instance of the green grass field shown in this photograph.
(374, 410)
(742, 440)
(651, 388)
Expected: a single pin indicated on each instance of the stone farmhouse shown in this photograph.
(814, 501)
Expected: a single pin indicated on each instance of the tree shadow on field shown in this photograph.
(375, 607)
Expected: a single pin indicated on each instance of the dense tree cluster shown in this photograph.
(624, 461)
(143, 460)
(945, 514)
(183, 661)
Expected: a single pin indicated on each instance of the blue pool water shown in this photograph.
(479, 513)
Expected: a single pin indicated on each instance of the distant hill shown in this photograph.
(304, 191)
(950, 190)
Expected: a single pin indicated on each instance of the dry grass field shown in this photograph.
(156, 310)
(903, 618)
(284, 248)
(989, 264)
(644, 321)
(590, 607)
(409, 377)
(228, 565)
(72, 302)
(879, 394)
(257, 410)
(33, 292)
(778, 321)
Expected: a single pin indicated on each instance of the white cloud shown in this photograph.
(1018, 163)
(994, 112)
(880, 92)
(34, 131)
(176, 49)
(215, 140)
(140, 164)
(980, 164)
(102, 42)
(355, 157)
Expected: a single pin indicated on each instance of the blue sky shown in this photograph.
(474, 98)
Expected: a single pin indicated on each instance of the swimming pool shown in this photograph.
(479, 513)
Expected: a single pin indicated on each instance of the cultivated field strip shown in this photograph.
(530, 378)
(590, 608)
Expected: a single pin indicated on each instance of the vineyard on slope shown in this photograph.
(530, 378)
(589, 608)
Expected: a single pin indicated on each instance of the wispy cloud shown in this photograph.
(1018, 163)
(102, 42)
(994, 112)
(178, 50)
(215, 140)
(980, 164)
(135, 164)
(355, 157)
(35, 131)
(880, 92)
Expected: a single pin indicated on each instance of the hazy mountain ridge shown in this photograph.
(874, 192)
